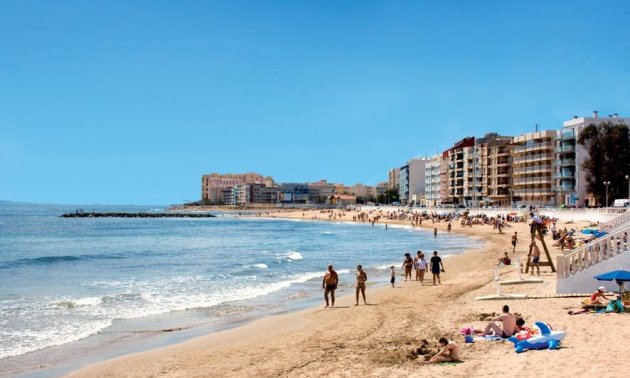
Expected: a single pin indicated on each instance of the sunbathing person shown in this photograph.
(449, 352)
(508, 324)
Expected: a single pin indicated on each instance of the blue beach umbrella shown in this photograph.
(616, 275)
(620, 276)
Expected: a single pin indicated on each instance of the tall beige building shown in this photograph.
(213, 184)
(533, 167)
(495, 162)
(393, 178)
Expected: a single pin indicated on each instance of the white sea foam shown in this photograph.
(260, 266)
(291, 255)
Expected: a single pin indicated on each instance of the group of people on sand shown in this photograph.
(331, 280)
(419, 265)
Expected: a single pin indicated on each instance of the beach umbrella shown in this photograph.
(620, 276)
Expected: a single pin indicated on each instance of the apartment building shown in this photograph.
(412, 181)
(393, 178)
(461, 173)
(495, 163)
(533, 164)
(570, 185)
(433, 177)
(212, 185)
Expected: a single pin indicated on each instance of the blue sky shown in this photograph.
(120, 102)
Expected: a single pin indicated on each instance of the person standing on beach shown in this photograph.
(407, 265)
(329, 285)
(393, 279)
(422, 267)
(514, 241)
(535, 255)
(361, 278)
(416, 260)
(436, 267)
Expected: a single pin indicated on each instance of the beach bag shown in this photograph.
(614, 306)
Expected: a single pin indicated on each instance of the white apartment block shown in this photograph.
(432, 190)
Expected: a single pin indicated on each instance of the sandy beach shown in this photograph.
(380, 339)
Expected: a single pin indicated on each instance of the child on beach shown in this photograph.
(449, 352)
(393, 276)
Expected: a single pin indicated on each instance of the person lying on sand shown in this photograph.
(508, 322)
(449, 352)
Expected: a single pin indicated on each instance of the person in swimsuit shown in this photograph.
(449, 352)
(422, 268)
(595, 297)
(416, 261)
(361, 278)
(508, 324)
(505, 260)
(535, 258)
(514, 241)
(436, 267)
(407, 265)
(329, 285)
(393, 280)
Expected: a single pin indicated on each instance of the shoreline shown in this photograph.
(122, 337)
(378, 339)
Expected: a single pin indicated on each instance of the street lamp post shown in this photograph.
(628, 178)
(607, 183)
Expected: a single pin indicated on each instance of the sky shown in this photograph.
(119, 102)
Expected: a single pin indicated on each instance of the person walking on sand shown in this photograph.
(329, 285)
(449, 352)
(535, 258)
(422, 268)
(407, 265)
(416, 260)
(514, 241)
(508, 324)
(361, 278)
(436, 267)
(393, 279)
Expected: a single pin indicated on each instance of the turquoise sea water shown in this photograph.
(64, 282)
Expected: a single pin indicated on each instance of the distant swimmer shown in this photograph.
(329, 285)
(361, 278)
(435, 232)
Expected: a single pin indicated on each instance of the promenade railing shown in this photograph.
(616, 221)
(576, 260)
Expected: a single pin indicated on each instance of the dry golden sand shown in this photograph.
(377, 340)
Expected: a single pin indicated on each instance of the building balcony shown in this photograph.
(564, 175)
(566, 136)
(566, 148)
(564, 188)
(533, 158)
(565, 162)
(534, 147)
(537, 168)
(533, 192)
(533, 180)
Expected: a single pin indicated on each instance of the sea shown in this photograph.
(79, 290)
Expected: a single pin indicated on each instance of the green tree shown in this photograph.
(390, 195)
(609, 148)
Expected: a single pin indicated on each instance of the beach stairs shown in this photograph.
(577, 267)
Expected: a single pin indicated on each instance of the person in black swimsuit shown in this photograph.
(436, 267)
(329, 284)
